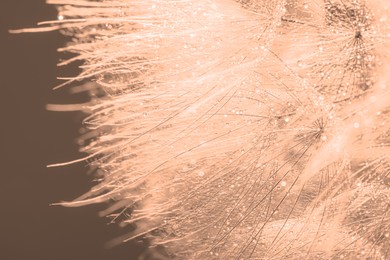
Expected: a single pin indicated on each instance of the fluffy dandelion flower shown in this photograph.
(238, 129)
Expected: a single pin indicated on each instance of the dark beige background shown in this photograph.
(31, 138)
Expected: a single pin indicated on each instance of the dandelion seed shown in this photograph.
(238, 129)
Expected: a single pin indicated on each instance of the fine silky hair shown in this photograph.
(236, 129)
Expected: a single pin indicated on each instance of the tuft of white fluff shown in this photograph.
(239, 129)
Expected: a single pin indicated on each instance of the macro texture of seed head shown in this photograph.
(238, 129)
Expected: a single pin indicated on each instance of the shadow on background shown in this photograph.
(31, 138)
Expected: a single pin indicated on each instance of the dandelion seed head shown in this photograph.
(238, 129)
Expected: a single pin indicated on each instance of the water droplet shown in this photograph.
(200, 173)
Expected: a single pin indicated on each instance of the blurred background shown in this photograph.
(31, 138)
